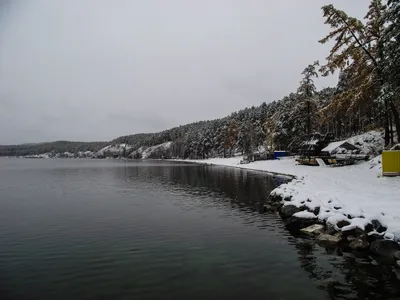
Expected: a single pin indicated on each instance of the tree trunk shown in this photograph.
(308, 120)
(391, 129)
(396, 119)
(386, 124)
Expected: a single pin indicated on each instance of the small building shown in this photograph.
(343, 152)
(341, 147)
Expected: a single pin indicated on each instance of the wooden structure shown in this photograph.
(332, 153)
(315, 144)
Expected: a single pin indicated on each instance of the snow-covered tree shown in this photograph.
(306, 107)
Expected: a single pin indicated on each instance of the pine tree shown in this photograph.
(356, 51)
(231, 136)
(306, 107)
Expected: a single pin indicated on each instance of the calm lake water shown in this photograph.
(102, 229)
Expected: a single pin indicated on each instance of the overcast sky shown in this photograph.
(95, 70)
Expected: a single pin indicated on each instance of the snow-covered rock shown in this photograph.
(286, 211)
(305, 215)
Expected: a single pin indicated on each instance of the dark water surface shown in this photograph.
(91, 229)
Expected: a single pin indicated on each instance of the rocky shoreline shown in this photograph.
(370, 237)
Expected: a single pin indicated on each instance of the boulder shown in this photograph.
(276, 205)
(353, 234)
(359, 243)
(275, 198)
(369, 228)
(313, 230)
(330, 239)
(331, 228)
(342, 223)
(268, 207)
(398, 263)
(317, 210)
(373, 236)
(287, 211)
(396, 255)
(378, 226)
(384, 248)
(296, 223)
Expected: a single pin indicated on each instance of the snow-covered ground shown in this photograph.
(357, 193)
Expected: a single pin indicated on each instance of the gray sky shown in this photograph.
(98, 69)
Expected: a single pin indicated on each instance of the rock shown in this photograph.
(287, 211)
(398, 263)
(313, 230)
(359, 243)
(396, 255)
(337, 207)
(268, 207)
(369, 228)
(342, 223)
(378, 226)
(297, 223)
(354, 234)
(384, 248)
(373, 236)
(330, 229)
(317, 210)
(330, 239)
(275, 198)
(276, 205)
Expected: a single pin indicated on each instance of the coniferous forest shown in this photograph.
(366, 55)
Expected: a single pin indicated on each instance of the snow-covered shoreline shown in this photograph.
(357, 194)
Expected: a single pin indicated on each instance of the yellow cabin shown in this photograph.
(391, 163)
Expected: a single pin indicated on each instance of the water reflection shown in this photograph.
(80, 229)
(341, 275)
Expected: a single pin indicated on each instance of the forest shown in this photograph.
(366, 55)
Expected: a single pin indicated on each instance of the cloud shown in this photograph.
(96, 69)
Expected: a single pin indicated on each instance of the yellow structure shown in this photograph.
(391, 163)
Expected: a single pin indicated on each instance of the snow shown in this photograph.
(147, 152)
(336, 218)
(369, 143)
(332, 146)
(356, 223)
(357, 193)
(312, 142)
(114, 149)
(305, 215)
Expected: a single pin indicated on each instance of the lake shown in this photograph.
(108, 229)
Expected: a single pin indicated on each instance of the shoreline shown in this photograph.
(326, 220)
